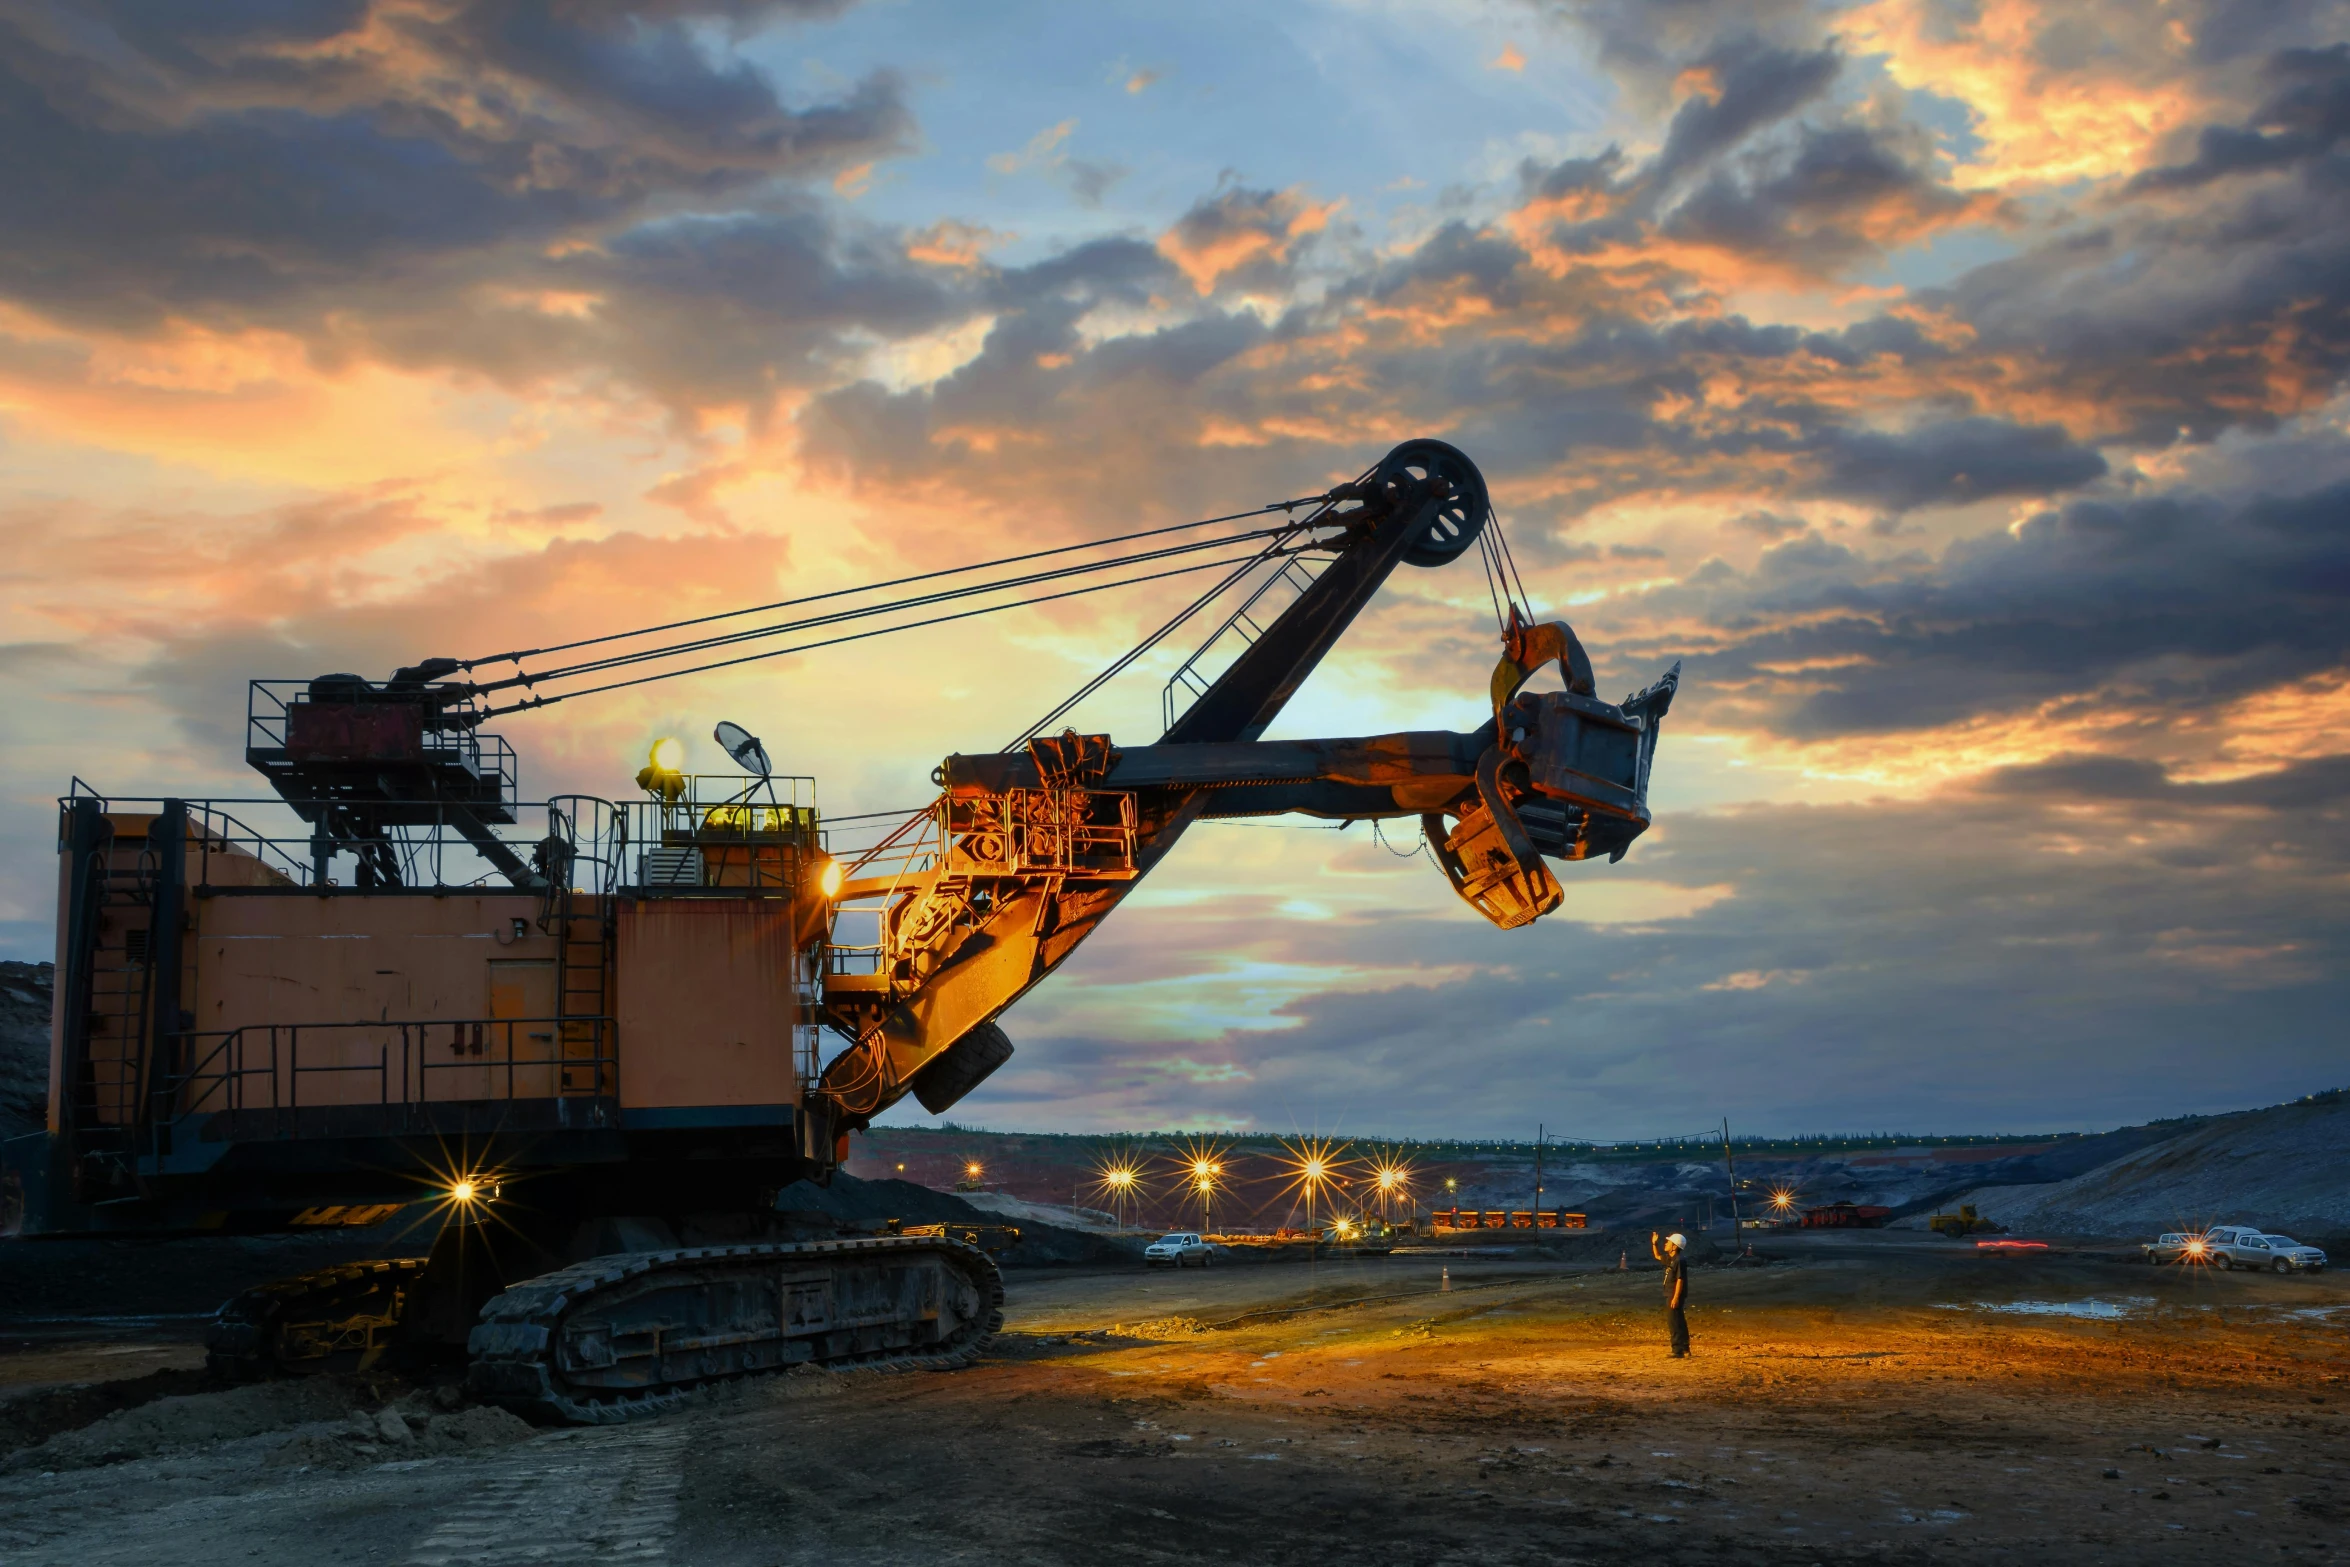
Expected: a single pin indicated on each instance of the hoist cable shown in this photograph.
(856, 636)
(836, 617)
(875, 587)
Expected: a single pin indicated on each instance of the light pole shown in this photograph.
(1117, 1180)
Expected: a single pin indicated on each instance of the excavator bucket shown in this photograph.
(1488, 874)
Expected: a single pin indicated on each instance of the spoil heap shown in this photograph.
(2279, 1168)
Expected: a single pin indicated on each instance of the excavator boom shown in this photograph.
(1026, 852)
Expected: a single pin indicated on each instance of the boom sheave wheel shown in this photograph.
(1462, 516)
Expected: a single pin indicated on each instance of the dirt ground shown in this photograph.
(1861, 1399)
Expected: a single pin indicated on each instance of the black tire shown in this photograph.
(2281, 1266)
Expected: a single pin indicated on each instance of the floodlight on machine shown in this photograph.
(663, 775)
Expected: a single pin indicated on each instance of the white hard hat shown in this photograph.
(1676, 1240)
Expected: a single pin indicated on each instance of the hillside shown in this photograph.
(25, 990)
(2285, 1168)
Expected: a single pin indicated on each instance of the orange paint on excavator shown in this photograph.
(610, 1014)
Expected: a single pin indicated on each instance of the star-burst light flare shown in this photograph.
(1312, 1165)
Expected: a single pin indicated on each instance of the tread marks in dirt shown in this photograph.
(595, 1496)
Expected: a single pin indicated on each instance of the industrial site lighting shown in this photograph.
(1199, 1169)
(1312, 1164)
(972, 1169)
(1118, 1178)
(464, 1191)
(663, 775)
(829, 878)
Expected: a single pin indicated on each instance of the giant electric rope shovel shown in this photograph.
(586, 1027)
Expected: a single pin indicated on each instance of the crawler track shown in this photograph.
(624, 1336)
(335, 1319)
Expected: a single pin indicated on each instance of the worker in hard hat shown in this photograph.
(1676, 1288)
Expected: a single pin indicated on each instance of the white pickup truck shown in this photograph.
(1182, 1249)
(2241, 1246)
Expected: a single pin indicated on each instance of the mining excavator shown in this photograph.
(589, 1034)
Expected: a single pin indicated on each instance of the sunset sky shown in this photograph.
(1957, 389)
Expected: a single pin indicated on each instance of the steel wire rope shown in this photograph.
(1128, 658)
(1510, 559)
(837, 617)
(1485, 559)
(804, 647)
(896, 582)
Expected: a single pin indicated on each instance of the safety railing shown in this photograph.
(1234, 635)
(576, 840)
(274, 722)
(298, 1066)
(586, 846)
(722, 831)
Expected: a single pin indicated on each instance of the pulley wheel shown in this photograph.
(1459, 518)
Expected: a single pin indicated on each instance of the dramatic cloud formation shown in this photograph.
(1956, 388)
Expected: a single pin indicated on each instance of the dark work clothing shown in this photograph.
(1677, 1325)
(1676, 1290)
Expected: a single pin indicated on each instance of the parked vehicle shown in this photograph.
(1180, 1250)
(1361, 1236)
(2185, 1246)
(2288, 1255)
(2241, 1246)
(1964, 1222)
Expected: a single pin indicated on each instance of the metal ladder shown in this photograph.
(585, 927)
(107, 1001)
(1191, 681)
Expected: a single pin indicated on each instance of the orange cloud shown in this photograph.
(951, 243)
(2046, 110)
(1240, 229)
